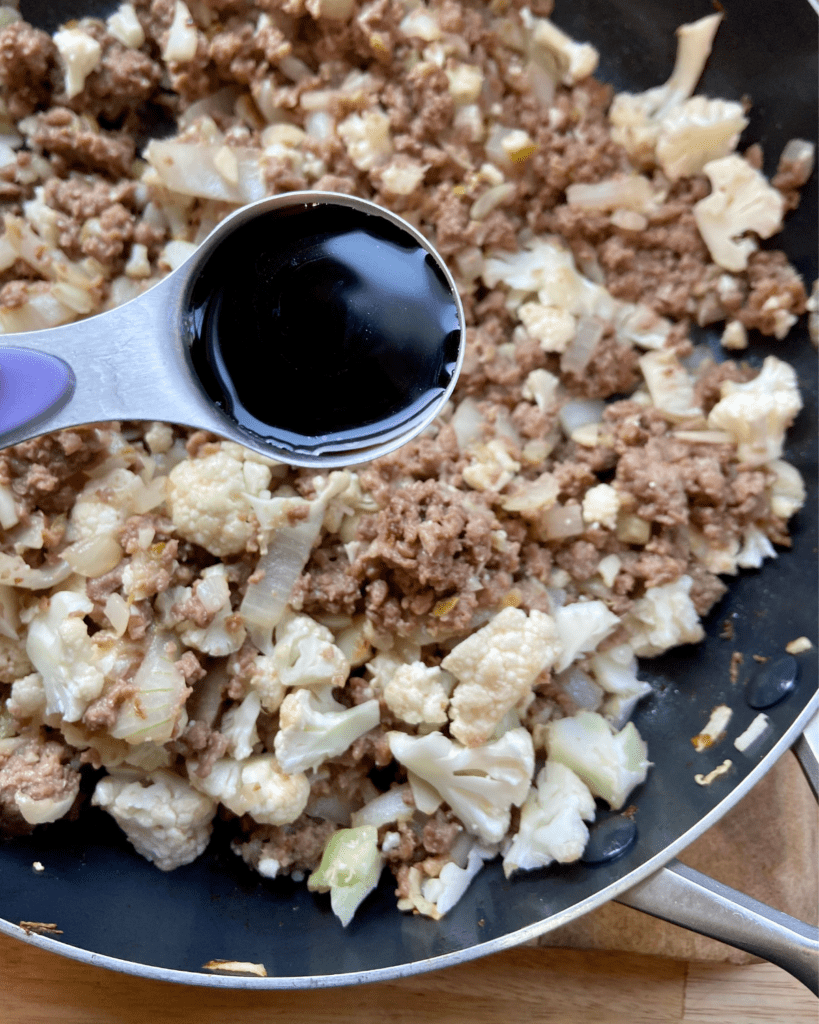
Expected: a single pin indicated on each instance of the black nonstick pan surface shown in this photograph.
(115, 909)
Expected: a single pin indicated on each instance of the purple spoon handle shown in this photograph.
(32, 385)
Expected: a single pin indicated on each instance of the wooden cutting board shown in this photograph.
(553, 986)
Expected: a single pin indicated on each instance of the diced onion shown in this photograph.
(17, 573)
(94, 556)
(581, 348)
(561, 521)
(156, 706)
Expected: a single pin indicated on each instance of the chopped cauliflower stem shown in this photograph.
(429, 661)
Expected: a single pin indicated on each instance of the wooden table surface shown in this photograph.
(516, 987)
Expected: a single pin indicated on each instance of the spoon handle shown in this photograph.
(126, 363)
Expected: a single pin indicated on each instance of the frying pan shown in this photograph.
(116, 910)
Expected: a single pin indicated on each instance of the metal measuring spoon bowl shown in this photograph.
(312, 327)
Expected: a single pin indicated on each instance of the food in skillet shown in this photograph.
(429, 661)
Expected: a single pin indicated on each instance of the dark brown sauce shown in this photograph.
(317, 327)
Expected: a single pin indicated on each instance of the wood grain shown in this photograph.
(541, 986)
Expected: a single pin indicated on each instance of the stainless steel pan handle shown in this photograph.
(683, 896)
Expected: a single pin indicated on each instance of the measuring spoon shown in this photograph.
(315, 328)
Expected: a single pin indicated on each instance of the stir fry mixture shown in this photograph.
(429, 661)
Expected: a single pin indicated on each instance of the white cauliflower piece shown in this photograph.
(385, 664)
(72, 667)
(571, 60)
(350, 868)
(446, 890)
(495, 668)
(636, 118)
(306, 655)
(208, 499)
(610, 763)
(480, 784)
(167, 820)
(181, 41)
(226, 632)
(105, 502)
(125, 27)
(664, 617)
(548, 269)
(554, 328)
(366, 138)
(601, 505)
(616, 672)
(28, 697)
(756, 547)
(670, 385)
(697, 132)
(238, 726)
(787, 490)
(79, 54)
(311, 730)
(265, 680)
(552, 821)
(580, 628)
(465, 82)
(741, 200)
(541, 387)
(255, 786)
(419, 694)
(757, 414)
(491, 467)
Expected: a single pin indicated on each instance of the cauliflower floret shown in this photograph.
(124, 26)
(757, 414)
(311, 729)
(616, 672)
(306, 655)
(72, 666)
(80, 54)
(756, 547)
(181, 41)
(166, 821)
(554, 328)
(541, 387)
(225, 632)
(419, 694)
(636, 118)
(495, 668)
(787, 490)
(632, 192)
(265, 680)
(670, 385)
(366, 138)
(465, 82)
(350, 868)
(238, 726)
(548, 269)
(480, 784)
(665, 617)
(571, 60)
(255, 786)
(610, 763)
(601, 505)
(580, 628)
(697, 132)
(741, 200)
(551, 821)
(208, 499)
(28, 697)
(491, 467)
(444, 891)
